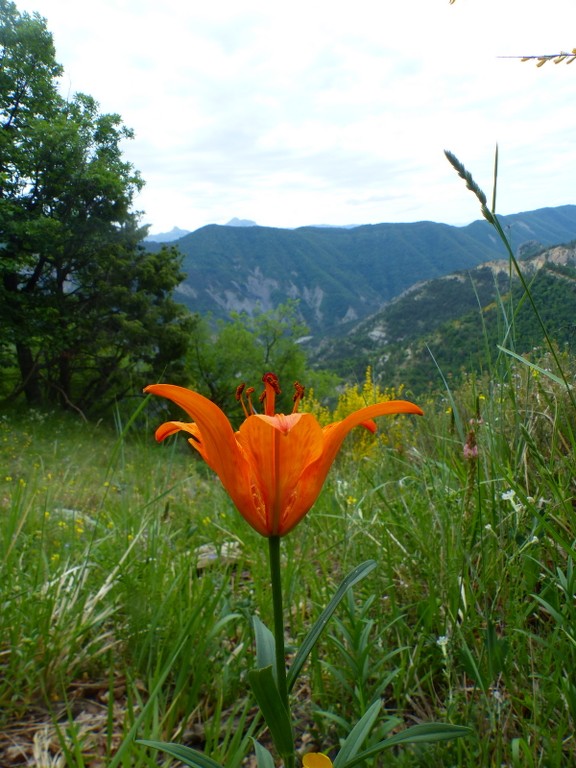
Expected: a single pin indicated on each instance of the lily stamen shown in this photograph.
(298, 395)
(249, 392)
(271, 389)
(240, 399)
(242, 392)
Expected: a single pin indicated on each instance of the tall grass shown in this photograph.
(106, 578)
(128, 582)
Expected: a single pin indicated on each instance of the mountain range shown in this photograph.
(168, 237)
(176, 233)
(340, 276)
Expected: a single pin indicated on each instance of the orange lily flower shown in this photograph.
(274, 466)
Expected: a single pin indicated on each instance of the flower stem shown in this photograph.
(276, 582)
(276, 579)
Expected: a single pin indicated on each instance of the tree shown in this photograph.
(81, 302)
(243, 349)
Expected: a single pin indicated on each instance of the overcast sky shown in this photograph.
(326, 112)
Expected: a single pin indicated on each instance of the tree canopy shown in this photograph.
(242, 348)
(82, 304)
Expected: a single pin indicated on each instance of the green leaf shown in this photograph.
(429, 732)
(497, 651)
(358, 734)
(425, 733)
(473, 668)
(263, 756)
(186, 755)
(265, 645)
(318, 627)
(273, 710)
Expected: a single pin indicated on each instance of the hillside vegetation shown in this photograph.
(338, 275)
(454, 324)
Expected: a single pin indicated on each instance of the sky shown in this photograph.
(327, 113)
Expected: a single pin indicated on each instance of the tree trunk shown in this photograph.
(29, 374)
(65, 377)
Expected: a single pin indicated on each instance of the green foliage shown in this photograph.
(81, 302)
(28, 71)
(244, 348)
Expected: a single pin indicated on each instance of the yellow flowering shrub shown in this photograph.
(311, 404)
(361, 443)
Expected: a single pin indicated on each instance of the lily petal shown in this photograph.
(313, 478)
(171, 427)
(278, 457)
(335, 433)
(217, 442)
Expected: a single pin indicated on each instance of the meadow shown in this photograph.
(128, 581)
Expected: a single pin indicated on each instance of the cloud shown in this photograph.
(327, 113)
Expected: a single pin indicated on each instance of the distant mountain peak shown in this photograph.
(240, 223)
(167, 237)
